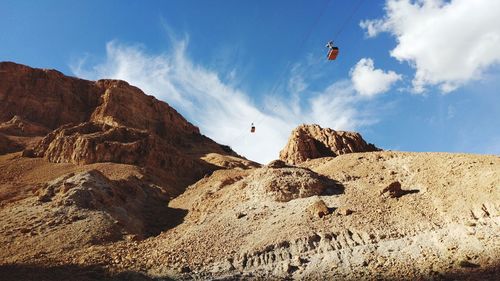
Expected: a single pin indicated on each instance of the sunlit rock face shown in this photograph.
(312, 141)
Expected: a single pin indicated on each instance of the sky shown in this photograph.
(411, 75)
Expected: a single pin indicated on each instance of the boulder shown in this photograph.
(318, 209)
(393, 190)
(344, 211)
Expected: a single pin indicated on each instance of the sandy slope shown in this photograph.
(230, 224)
(450, 217)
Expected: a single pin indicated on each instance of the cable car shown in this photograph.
(333, 51)
(252, 129)
(332, 54)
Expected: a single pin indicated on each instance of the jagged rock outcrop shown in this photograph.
(312, 141)
(121, 104)
(90, 142)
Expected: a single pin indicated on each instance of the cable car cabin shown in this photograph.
(332, 53)
(252, 129)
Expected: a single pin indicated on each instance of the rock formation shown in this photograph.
(45, 96)
(105, 166)
(312, 141)
(101, 121)
(52, 99)
(287, 183)
(17, 126)
(128, 202)
(318, 209)
(17, 134)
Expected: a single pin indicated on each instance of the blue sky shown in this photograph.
(411, 75)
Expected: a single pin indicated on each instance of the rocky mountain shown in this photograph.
(99, 181)
(311, 141)
(98, 160)
(84, 122)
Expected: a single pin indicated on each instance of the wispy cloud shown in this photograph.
(449, 43)
(221, 110)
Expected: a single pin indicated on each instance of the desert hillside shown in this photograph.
(99, 181)
(69, 120)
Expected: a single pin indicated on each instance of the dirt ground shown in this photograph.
(262, 223)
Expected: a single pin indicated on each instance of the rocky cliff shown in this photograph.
(84, 122)
(52, 99)
(312, 141)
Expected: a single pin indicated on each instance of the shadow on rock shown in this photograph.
(394, 190)
(25, 272)
(332, 187)
(132, 206)
(490, 273)
(150, 207)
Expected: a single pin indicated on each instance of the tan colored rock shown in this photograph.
(344, 211)
(124, 105)
(93, 142)
(229, 161)
(17, 134)
(45, 96)
(394, 190)
(285, 184)
(312, 141)
(318, 209)
(90, 142)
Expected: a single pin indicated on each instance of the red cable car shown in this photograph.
(332, 51)
(332, 54)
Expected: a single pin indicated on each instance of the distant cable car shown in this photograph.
(252, 129)
(332, 51)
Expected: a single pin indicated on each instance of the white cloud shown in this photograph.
(369, 81)
(449, 43)
(222, 111)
